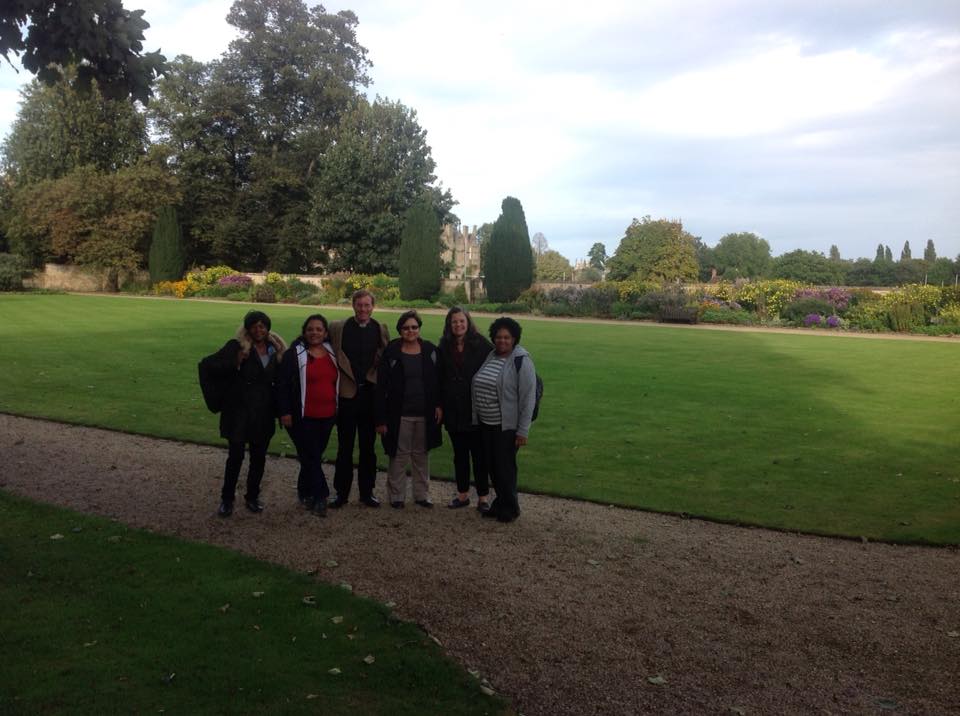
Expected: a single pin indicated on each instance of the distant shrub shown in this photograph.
(238, 296)
(235, 281)
(812, 319)
(415, 303)
(736, 317)
(837, 298)
(767, 298)
(904, 317)
(797, 311)
(263, 293)
(13, 269)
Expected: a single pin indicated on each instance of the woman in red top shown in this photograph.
(307, 397)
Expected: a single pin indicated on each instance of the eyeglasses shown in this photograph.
(411, 327)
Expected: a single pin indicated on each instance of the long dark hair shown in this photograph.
(448, 336)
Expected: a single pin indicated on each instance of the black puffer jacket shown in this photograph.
(455, 381)
(249, 411)
(388, 401)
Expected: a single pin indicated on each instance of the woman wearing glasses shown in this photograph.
(407, 410)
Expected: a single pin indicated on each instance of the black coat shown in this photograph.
(455, 382)
(388, 398)
(249, 411)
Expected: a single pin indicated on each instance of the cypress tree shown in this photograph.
(508, 263)
(905, 254)
(167, 257)
(880, 253)
(887, 253)
(420, 253)
(930, 253)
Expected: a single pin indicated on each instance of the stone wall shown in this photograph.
(62, 277)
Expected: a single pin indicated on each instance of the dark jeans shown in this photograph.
(467, 448)
(310, 436)
(500, 455)
(231, 473)
(355, 421)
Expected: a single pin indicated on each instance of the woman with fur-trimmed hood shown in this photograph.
(248, 363)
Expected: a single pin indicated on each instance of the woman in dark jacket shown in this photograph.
(407, 409)
(249, 363)
(462, 352)
(307, 389)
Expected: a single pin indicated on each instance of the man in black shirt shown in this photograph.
(358, 343)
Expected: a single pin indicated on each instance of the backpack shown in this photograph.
(212, 384)
(518, 361)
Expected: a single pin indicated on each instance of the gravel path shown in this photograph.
(575, 608)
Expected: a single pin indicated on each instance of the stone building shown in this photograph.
(461, 252)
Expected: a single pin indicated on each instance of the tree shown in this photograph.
(483, 240)
(809, 267)
(509, 261)
(880, 253)
(166, 260)
(551, 266)
(90, 217)
(654, 250)
(887, 254)
(834, 252)
(102, 40)
(379, 167)
(942, 271)
(930, 252)
(539, 244)
(905, 252)
(420, 253)
(742, 255)
(598, 256)
(58, 130)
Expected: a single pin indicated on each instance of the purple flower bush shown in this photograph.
(812, 319)
(839, 298)
(833, 321)
(236, 280)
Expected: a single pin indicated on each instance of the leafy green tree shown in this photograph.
(166, 260)
(597, 256)
(90, 217)
(483, 240)
(930, 252)
(834, 252)
(655, 250)
(378, 168)
(420, 253)
(58, 130)
(880, 253)
(809, 267)
(887, 254)
(552, 266)
(905, 254)
(742, 255)
(509, 260)
(98, 37)
(942, 271)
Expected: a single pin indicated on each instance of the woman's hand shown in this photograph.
(520, 441)
(381, 429)
(438, 414)
(286, 421)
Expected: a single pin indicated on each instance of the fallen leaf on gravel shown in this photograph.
(435, 640)
(334, 671)
(657, 680)
(346, 587)
(336, 620)
(389, 605)
(887, 704)
(487, 690)
(369, 659)
(953, 634)
(738, 711)
(224, 608)
(332, 563)
(257, 595)
(56, 536)
(310, 600)
(593, 563)
(474, 673)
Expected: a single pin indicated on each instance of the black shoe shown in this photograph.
(254, 506)
(424, 503)
(306, 500)
(490, 513)
(483, 507)
(225, 509)
(337, 503)
(506, 518)
(319, 508)
(457, 503)
(370, 501)
(397, 505)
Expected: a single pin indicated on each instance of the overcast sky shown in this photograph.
(808, 122)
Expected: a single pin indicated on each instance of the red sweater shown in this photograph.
(321, 400)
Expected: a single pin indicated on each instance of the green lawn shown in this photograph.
(847, 436)
(106, 619)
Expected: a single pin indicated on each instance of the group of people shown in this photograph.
(349, 374)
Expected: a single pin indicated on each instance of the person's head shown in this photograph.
(505, 334)
(314, 330)
(363, 302)
(458, 324)
(257, 324)
(408, 326)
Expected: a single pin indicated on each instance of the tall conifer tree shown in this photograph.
(420, 253)
(508, 263)
(167, 254)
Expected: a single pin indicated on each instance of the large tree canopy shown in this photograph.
(655, 251)
(102, 40)
(742, 255)
(809, 267)
(59, 130)
(553, 266)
